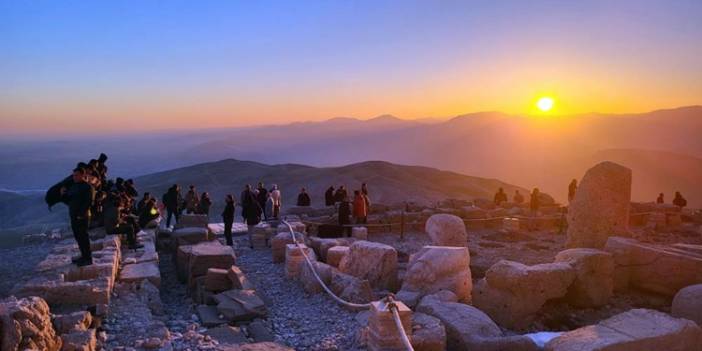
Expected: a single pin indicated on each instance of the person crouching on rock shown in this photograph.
(79, 197)
(228, 218)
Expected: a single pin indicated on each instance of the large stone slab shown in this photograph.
(279, 242)
(655, 268)
(336, 254)
(634, 330)
(435, 268)
(192, 221)
(594, 276)
(135, 273)
(206, 255)
(446, 230)
(511, 293)
(688, 304)
(469, 329)
(428, 333)
(310, 282)
(601, 205)
(371, 261)
(350, 288)
(240, 305)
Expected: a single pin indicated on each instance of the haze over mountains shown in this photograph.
(663, 148)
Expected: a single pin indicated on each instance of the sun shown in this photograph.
(545, 103)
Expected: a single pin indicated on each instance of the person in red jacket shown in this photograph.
(360, 209)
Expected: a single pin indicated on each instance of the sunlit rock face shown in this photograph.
(601, 205)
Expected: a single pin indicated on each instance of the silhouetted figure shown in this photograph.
(329, 197)
(360, 211)
(500, 197)
(192, 200)
(277, 198)
(341, 194)
(251, 211)
(345, 214)
(303, 199)
(572, 188)
(262, 197)
(205, 204)
(79, 197)
(148, 213)
(364, 191)
(129, 188)
(518, 197)
(268, 209)
(660, 200)
(679, 200)
(228, 218)
(172, 200)
(142, 202)
(534, 202)
(115, 225)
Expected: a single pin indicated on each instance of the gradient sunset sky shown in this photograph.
(126, 65)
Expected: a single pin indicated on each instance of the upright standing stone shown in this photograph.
(383, 332)
(371, 261)
(446, 230)
(600, 208)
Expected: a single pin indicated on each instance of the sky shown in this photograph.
(85, 66)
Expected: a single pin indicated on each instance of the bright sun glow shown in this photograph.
(545, 103)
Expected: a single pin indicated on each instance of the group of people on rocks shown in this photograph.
(192, 203)
(518, 198)
(678, 200)
(93, 200)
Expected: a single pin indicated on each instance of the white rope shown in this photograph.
(400, 328)
(319, 280)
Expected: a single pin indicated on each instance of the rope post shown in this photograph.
(386, 318)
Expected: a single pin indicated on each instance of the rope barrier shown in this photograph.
(319, 280)
(398, 323)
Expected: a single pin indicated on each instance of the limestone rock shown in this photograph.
(295, 260)
(26, 324)
(446, 230)
(359, 233)
(436, 268)
(634, 330)
(79, 341)
(190, 235)
(350, 288)
(209, 316)
(135, 273)
(428, 333)
(594, 271)
(206, 255)
(279, 242)
(336, 254)
(240, 305)
(217, 279)
(468, 328)
(76, 321)
(601, 205)
(308, 280)
(688, 304)
(192, 221)
(227, 335)
(238, 279)
(372, 261)
(511, 292)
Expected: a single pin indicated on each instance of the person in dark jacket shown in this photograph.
(79, 197)
(172, 200)
(192, 200)
(679, 200)
(572, 188)
(251, 211)
(149, 212)
(262, 197)
(303, 199)
(142, 202)
(205, 204)
(115, 224)
(228, 218)
(500, 197)
(345, 214)
(660, 200)
(534, 202)
(329, 197)
(341, 194)
(129, 188)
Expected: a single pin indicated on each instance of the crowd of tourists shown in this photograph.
(93, 201)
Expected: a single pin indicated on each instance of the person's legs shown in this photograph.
(276, 211)
(168, 217)
(80, 233)
(228, 233)
(250, 234)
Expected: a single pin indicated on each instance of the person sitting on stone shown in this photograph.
(149, 212)
(303, 199)
(679, 200)
(329, 197)
(192, 200)
(500, 197)
(204, 204)
(518, 197)
(142, 202)
(660, 200)
(572, 188)
(115, 223)
(129, 188)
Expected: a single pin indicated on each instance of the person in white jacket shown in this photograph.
(276, 196)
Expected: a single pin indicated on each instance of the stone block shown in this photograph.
(238, 279)
(436, 268)
(76, 321)
(294, 259)
(359, 233)
(688, 304)
(336, 254)
(26, 324)
(209, 316)
(350, 288)
(227, 335)
(240, 305)
(192, 221)
(206, 255)
(309, 281)
(428, 333)
(217, 279)
(85, 340)
(279, 242)
(135, 273)
(372, 261)
(594, 276)
(446, 230)
(382, 330)
(634, 330)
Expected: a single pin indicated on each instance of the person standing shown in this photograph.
(329, 197)
(660, 200)
(205, 204)
(679, 200)
(303, 199)
(276, 196)
(572, 188)
(262, 197)
(172, 201)
(360, 211)
(251, 211)
(228, 218)
(518, 197)
(345, 215)
(192, 200)
(500, 197)
(364, 192)
(79, 198)
(534, 202)
(341, 194)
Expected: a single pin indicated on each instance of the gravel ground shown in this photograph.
(297, 319)
(18, 264)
